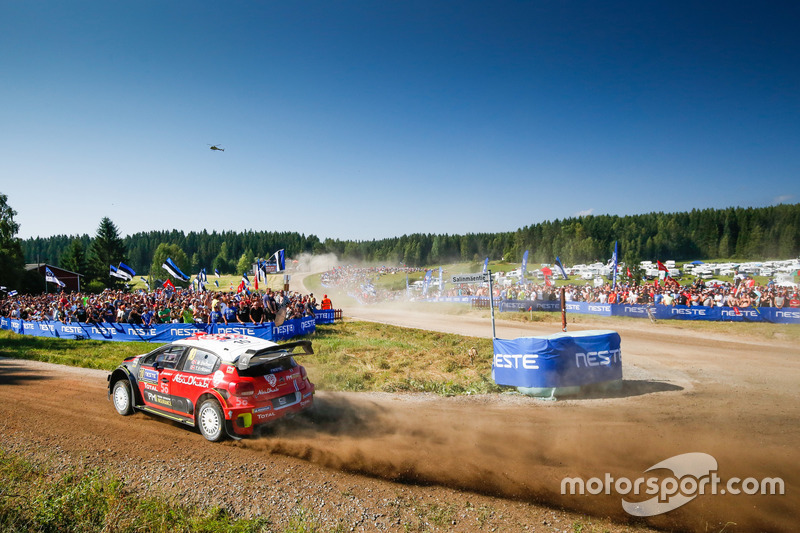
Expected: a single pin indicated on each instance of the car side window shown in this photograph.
(169, 357)
(200, 362)
(166, 356)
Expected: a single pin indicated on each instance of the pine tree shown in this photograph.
(106, 249)
(12, 258)
(74, 257)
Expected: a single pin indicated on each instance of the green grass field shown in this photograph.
(349, 356)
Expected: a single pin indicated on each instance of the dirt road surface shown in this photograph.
(397, 462)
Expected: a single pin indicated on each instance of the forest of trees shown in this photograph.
(743, 233)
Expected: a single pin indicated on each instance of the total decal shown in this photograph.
(192, 381)
(264, 416)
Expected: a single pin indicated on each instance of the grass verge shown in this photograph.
(350, 356)
(32, 499)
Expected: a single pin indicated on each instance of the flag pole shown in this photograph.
(563, 311)
(491, 302)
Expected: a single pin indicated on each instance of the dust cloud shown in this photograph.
(316, 263)
(520, 452)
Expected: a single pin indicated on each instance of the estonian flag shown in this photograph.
(216, 283)
(280, 261)
(203, 276)
(125, 271)
(114, 272)
(245, 279)
(49, 276)
(174, 271)
(216, 272)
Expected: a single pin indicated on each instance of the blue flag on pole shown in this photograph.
(561, 268)
(486, 265)
(524, 263)
(614, 265)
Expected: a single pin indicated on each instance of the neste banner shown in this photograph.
(661, 312)
(158, 333)
(560, 360)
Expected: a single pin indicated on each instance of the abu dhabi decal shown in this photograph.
(192, 381)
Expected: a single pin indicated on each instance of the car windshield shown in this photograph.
(273, 366)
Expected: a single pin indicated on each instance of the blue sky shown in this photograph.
(372, 119)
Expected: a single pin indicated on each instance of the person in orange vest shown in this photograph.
(326, 302)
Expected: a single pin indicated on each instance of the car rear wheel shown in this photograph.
(122, 397)
(211, 421)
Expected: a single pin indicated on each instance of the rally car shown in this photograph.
(225, 385)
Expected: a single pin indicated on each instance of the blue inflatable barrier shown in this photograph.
(559, 360)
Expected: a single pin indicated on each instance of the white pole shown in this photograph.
(491, 302)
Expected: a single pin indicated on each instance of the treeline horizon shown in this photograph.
(745, 233)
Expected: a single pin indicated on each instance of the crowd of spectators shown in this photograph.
(359, 282)
(160, 307)
(742, 293)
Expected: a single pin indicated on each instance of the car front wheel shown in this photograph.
(122, 397)
(211, 421)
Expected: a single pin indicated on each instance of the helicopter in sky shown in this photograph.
(216, 147)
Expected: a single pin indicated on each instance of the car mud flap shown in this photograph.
(229, 429)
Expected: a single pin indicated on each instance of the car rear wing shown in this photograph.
(273, 353)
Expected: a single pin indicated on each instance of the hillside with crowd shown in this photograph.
(743, 292)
